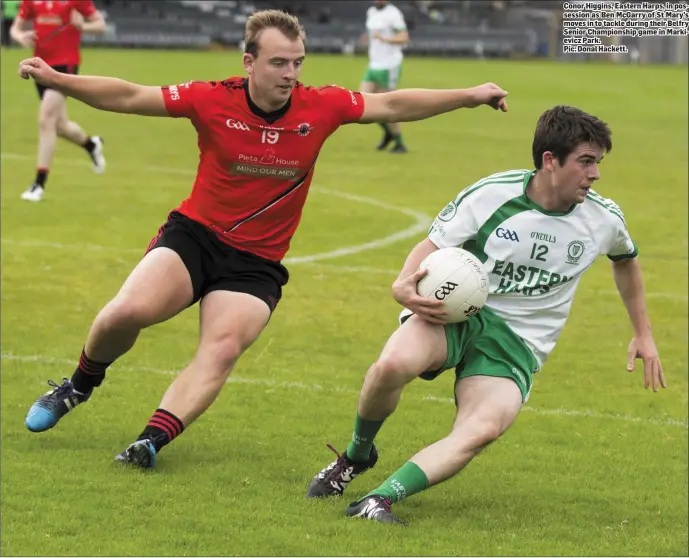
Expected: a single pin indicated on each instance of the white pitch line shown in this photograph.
(304, 260)
(586, 413)
(421, 220)
(418, 227)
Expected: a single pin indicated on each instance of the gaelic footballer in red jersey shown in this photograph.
(56, 38)
(256, 167)
(259, 138)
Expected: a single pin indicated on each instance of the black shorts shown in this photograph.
(63, 69)
(214, 265)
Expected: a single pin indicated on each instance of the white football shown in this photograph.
(457, 278)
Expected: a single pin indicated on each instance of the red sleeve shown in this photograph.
(184, 100)
(26, 10)
(85, 7)
(346, 106)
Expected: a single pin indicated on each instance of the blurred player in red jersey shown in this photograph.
(259, 138)
(55, 38)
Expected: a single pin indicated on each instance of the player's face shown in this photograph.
(575, 178)
(277, 66)
(380, 4)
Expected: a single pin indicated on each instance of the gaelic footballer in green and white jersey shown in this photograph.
(535, 258)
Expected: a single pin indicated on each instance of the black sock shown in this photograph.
(89, 145)
(89, 373)
(162, 429)
(385, 127)
(41, 177)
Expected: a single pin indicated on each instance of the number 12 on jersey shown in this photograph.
(538, 252)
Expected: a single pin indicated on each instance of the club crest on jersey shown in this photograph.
(448, 213)
(304, 129)
(575, 250)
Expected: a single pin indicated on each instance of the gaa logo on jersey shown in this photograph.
(507, 234)
(575, 250)
(304, 129)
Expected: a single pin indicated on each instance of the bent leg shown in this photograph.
(230, 323)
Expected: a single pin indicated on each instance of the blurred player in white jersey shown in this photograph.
(536, 232)
(387, 35)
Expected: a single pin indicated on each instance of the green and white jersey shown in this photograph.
(534, 258)
(388, 22)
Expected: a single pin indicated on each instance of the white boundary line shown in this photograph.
(421, 220)
(587, 413)
(420, 225)
(305, 260)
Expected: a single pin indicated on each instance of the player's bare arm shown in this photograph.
(20, 34)
(91, 25)
(104, 93)
(404, 288)
(407, 105)
(629, 281)
(401, 38)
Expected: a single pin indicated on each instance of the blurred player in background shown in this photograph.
(9, 13)
(55, 38)
(259, 138)
(538, 231)
(386, 34)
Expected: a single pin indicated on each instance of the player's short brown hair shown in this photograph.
(287, 24)
(562, 128)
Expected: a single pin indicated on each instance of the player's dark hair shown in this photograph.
(287, 24)
(562, 128)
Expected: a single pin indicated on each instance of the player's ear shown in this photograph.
(248, 61)
(549, 161)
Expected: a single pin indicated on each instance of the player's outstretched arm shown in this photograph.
(103, 93)
(627, 275)
(406, 105)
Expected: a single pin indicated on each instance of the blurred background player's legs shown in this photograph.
(53, 122)
(382, 81)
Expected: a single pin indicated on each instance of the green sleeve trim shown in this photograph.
(634, 254)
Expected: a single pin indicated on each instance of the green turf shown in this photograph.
(595, 465)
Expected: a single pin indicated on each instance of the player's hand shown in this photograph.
(77, 20)
(377, 35)
(645, 348)
(405, 292)
(27, 39)
(488, 94)
(37, 69)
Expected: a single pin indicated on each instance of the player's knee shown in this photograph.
(390, 370)
(48, 121)
(478, 434)
(220, 355)
(61, 127)
(127, 313)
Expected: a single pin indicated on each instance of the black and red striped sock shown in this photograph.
(162, 428)
(89, 373)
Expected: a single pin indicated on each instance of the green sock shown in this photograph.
(407, 480)
(398, 140)
(359, 448)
